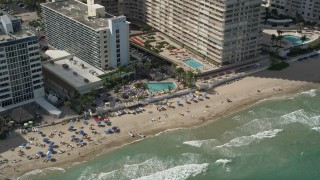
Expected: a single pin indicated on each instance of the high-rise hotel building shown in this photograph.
(224, 31)
(20, 64)
(308, 9)
(88, 32)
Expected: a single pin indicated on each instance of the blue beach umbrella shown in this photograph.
(39, 152)
(23, 145)
(99, 122)
(80, 131)
(45, 139)
(48, 156)
(51, 143)
(80, 140)
(73, 136)
(85, 122)
(40, 132)
(105, 121)
(50, 149)
(71, 127)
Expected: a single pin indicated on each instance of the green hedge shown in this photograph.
(278, 66)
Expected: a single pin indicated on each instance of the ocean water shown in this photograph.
(274, 139)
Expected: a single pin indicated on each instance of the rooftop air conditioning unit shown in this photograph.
(65, 66)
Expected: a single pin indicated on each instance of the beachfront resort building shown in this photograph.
(20, 65)
(87, 32)
(308, 9)
(223, 31)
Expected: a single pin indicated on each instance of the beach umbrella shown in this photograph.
(99, 122)
(71, 127)
(26, 124)
(40, 132)
(23, 145)
(85, 122)
(80, 131)
(50, 149)
(73, 136)
(39, 152)
(105, 121)
(48, 156)
(45, 139)
(80, 140)
(51, 143)
(30, 122)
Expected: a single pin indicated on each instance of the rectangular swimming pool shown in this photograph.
(160, 86)
(194, 64)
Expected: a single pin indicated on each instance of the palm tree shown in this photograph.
(300, 25)
(279, 38)
(303, 38)
(179, 72)
(279, 32)
(273, 38)
(68, 105)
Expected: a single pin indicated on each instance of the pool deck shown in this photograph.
(266, 38)
(178, 55)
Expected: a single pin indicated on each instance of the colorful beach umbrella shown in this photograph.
(39, 152)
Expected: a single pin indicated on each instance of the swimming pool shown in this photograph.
(160, 86)
(295, 40)
(194, 64)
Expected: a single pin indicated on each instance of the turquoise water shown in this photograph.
(160, 86)
(194, 64)
(275, 139)
(295, 40)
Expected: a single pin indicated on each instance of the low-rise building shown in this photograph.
(68, 74)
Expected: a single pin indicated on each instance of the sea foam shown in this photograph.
(316, 129)
(311, 93)
(223, 162)
(200, 143)
(178, 172)
(246, 140)
(39, 171)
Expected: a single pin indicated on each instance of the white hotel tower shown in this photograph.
(20, 65)
(88, 32)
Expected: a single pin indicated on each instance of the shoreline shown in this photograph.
(247, 98)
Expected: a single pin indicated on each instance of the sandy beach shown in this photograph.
(300, 76)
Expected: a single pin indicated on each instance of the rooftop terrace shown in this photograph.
(78, 11)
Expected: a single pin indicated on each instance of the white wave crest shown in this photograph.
(39, 171)
(178, 172)
(200, 142)
(223, 162)
(300, 116)
(246, 140)
(311, 93)
(102, 176)
(316, 129)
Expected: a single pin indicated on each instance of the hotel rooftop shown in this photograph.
(78, 11)
(74, 71)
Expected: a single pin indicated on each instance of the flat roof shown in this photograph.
(48, 107)
(17, 35)
(78, 11)
(77, 71)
